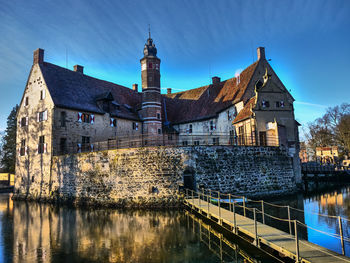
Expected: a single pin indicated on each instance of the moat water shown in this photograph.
(33, 232)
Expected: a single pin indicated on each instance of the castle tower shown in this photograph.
(151, 99)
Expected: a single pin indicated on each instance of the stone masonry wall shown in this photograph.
(150, 177)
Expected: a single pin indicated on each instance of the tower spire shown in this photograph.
(149, 31)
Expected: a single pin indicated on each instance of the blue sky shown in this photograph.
(308, 43)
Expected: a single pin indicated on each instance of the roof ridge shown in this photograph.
(85, 75)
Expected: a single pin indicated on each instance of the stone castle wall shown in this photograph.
(148, 177)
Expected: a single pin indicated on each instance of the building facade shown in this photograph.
(65, 111)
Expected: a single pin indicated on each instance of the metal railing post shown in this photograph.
(341, 235)
(263, 211)
(186, 193)
(199, 200)
(255, 228)
(290, 224)
(219, 208)
(296, 241)
(234, 217)
(244, 206)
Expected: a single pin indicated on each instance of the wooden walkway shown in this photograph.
(268, 236)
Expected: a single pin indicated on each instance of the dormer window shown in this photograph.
(190, 128)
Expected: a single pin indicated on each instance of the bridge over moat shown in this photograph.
(263, 230)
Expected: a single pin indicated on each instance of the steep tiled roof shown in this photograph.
(207, 101)
(73, 90)
(246, 112)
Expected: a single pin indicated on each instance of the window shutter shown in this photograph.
(79, 147)
(92, 147)
(26, 150)
(20, 123)
(92, 119)
(37, 149)
(37, 116)
(137, 126)
(282, 103)
(112, 122)
(79, 116)
(45, 115)
(27, 121)
(19, 151)
(45, 147)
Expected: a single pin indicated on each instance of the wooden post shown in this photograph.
(208, 199)
(296, 241)
(229, 204)
(219, 208)
(290, 224)
(341, 235)
(263, 211)
(255, 228)
(244, 206)
(234, 217)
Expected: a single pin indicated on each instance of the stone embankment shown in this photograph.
(152, 177)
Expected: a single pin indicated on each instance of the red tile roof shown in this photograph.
(246, 112)
(207, 101)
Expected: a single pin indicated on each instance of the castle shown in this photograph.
(65, 111)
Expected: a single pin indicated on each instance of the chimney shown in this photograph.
(38, 56)
(78, 68)
(168, 91)
(261, 53)
(216, 80)
(135, 87)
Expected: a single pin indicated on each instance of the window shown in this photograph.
(158, 116)
(26, 101)
(135, 126)
(41, 146)
(159, 131)
(113, 122)
(22, 151)
(42, 94)
(265, 104)
(150, 65)
(24, 121)
(196, 143)
(150, 78)
(85, 118)
(170, 137)
(190, 128)
(228, 116)
(212, 126)
(41, 116)
(85, 140)
(184, 143)
(278, 104)
(63, 119)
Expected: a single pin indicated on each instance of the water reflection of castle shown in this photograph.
(43, 233)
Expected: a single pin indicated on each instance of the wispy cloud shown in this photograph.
(311, 104)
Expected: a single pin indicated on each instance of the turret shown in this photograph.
(151, 98)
